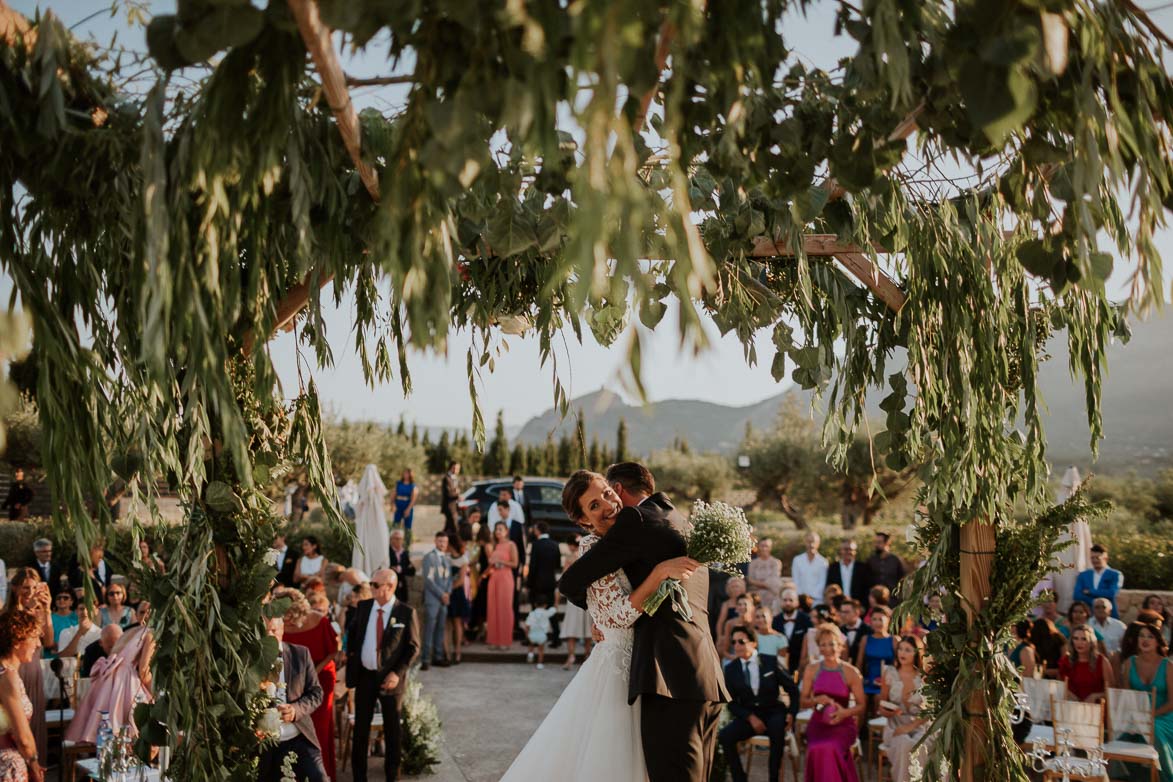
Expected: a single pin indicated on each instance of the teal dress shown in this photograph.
(1163, 730)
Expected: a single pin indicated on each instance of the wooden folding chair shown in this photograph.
(1131, 711)
(748, 746)
(1040, 693)
(1083, 725)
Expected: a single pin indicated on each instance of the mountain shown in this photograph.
(1137, 404)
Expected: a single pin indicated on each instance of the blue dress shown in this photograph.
(403, 492)
(878, 653)
(1163, 728)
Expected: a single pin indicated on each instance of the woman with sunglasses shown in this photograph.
(116, 611)
(63, 617)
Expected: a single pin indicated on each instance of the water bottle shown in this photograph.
(105, 732)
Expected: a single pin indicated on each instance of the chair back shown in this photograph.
(1131, 711)
(1041, 693)
(1084, 720)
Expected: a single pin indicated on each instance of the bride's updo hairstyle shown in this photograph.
(572, 492)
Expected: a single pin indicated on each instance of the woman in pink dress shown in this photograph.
(828, 686)
(20, 643)
(118, 683)
(502, 562)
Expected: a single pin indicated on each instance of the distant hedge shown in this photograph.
(17, 537)
(1145, 560)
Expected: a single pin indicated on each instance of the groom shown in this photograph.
(675, 669)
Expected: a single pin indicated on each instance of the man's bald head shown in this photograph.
(383, 585)
(109, 636)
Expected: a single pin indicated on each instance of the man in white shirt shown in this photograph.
(809, 569)
(1110, 628)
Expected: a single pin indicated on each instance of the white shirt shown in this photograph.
(1112, 631)
(516, 512)
(281, 552)
(846, 571)
(370, 656)
(852, 631)
(288, 730)
(810, 576)
(788, 625)
(755, 671)
(1096, 576)
(93, 634)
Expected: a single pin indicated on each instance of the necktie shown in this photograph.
(379, 632)
(748, 681)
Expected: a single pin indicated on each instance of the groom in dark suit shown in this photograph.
(675, 669)
(299, 695)
(381, 644)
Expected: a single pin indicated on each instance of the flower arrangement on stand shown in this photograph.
(421, 732)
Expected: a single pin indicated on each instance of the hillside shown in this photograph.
(1138, 410)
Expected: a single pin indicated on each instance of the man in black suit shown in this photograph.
(99, 648)
(753, 681)
(793, 624)
(381, 644)
(855, 630)
(286, 561)
(51, 572)
(99, 572)
(401, 563)
(852, 576)
(298, 695)
(675, 669)
(545, 559)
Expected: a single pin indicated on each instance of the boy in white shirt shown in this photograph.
(537, 627)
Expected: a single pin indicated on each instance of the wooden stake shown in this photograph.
(977, 562)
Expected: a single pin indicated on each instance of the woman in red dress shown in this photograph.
(313, 630)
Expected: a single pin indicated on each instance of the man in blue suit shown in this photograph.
(1099, 581)
(753, 681)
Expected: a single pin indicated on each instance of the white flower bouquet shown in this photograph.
(721, 538)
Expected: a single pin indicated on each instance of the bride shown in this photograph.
(592, 732)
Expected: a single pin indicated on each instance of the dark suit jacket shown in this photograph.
(302, 690)
(78, 575)
(861, 580)
(517, 535)
(671, 656)
(90, 657)
(406, 571)
(861, 635)
(285, 574)
(401, 643)
(57, 574)
(765, 704)
(544, 560)
(802, 624)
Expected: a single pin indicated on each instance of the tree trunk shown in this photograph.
(977, 557)
(793, 512)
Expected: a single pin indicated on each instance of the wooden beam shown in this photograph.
(852, 257)
(667, 33)
(866, 271)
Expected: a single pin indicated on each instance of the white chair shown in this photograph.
(1131, 711)
(1040, 693)
(1083, 725)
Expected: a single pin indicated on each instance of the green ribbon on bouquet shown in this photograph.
(669, 588)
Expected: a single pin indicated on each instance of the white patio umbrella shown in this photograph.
(372, 547)
(1077, 557)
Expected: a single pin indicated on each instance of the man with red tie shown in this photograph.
(381, 644)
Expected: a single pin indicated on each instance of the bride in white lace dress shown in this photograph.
(592, 733)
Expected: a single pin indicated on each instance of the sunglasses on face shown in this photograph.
(739, 642)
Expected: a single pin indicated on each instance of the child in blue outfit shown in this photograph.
(537, 627)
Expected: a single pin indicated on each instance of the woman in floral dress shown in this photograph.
(20, 642)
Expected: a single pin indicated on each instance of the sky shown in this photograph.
(519, 387)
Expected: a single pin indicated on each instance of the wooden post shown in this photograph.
(977, 561)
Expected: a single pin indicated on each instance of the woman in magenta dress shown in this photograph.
(312, 629)
(828, 687)
(502, 561)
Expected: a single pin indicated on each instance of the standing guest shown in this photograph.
(100, 649)
(765, 575)
(1049, 644)
(877, 650)
(505, 512)
(754, 680)
(793, 624)
(50, 572)
(828, 687)
(450, 497)
(1146, 671)
(286, 561)
(502, 561)
(1099, 580)
(833, 596)
(519, 496)
(349, 579)
(406, 496)
(20, 643)
(545, 558)
(459, 603)
(1022, 656)
(1087, 672)
(149, 559)
(852, 576)
(20, 497)
(735, 587)
(516, 511)
(99, 573)
(311, 563)
(901, 701)
(63, 617)
(809, 569)
(381, 644)
(115, 612)
(576, 622)
(1156, 604)
(931, 618)
(537, 629)
(437, 571)
(74, 640)
(480, 581)
(401, 562)
(28, 593)
(313, 630)
(855, 630)
(886, 568)
(300, 698)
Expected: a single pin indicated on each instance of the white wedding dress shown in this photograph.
(591, 733)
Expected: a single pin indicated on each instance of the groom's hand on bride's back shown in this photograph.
(679, 568)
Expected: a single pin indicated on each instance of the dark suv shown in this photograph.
(543, 501)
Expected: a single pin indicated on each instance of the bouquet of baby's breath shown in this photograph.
(720, 538)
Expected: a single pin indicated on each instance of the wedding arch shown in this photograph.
(561, 165)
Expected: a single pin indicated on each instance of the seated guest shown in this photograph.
(745, 615)
(734, 588)
(820, 615)
(877, 650)
(1078, 615)
(63, 617)
(1110, 630)
(1022, 656)
(1049, 644)
(833, 596)
(120, 680)
(301, 697)
(770, 641)
(834, 689)
(74, 640)
(879, 595)
(855, 630)
(1099, 580)
(115, 611)
(753, 681)
(1087, 672)
(99, 649)
(1148, 670)
(901, 701)
(793, 624)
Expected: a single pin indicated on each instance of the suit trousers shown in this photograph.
(309, 763)
(740, 730)
(679, 738)
(435, 618)
(365, 695)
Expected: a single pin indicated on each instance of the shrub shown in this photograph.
(421, 732)
(336, 546)
(691, 475)
(1145, 560)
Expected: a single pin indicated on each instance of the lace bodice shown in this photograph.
(608, 601)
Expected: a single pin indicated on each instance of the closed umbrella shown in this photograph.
(1076, 557)
(373, 542)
